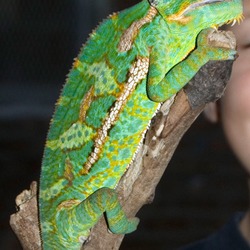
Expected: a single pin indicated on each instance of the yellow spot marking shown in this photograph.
(52, 144)
(53, 191)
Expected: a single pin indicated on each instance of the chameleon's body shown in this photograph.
(129, 65)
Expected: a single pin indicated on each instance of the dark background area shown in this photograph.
(203, 185)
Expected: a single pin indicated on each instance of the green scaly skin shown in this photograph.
(133, 61)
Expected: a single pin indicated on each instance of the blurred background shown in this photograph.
(203, 185)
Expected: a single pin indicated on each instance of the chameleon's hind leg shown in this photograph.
(79, 219)
(106, 200)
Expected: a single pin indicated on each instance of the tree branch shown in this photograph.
(137, 186)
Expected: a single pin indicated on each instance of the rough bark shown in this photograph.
(25, 222)
(137, 186)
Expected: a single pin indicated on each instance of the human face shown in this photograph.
(236, 102)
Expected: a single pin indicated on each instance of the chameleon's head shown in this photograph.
(199, 13)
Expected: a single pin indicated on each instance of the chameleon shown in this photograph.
(132, 62)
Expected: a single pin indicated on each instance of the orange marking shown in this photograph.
(76, 63)
(86, 101)
(68, 204)
(114, 16)
(68, 174)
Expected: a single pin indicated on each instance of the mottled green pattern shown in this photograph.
(84, 159)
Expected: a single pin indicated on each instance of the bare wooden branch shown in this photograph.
(166, 130)
(25, 222)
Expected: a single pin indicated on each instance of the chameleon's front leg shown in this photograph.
(80, 219)
(183, 72)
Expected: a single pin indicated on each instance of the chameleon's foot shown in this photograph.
(85, 215)
(117, 220)
(131, 225)
(206, 47)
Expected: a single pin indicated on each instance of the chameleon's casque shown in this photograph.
(133, 61)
